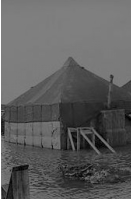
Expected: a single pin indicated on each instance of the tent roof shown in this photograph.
(72, 83)
(127, 87)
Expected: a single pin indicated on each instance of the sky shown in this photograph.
(38, 36)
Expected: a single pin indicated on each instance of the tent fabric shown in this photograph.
(29, 113)
(7, 113)
(50, 113)
(122, 105)
(79, 114)
(13, 116)
(21, 114)
(37, 113)
(72, 95)
(72, 83)
(32, 113)
(127, 87)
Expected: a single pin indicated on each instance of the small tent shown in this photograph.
(68, 98)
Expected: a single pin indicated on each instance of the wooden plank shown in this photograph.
(73, 129)
(71, 140)
(91, 144)
(4, 189)
(78, 139)
(83, 143)
(106, 144)
(84, 128)
(9, 194)
(93, 139)
(19, 183)
(87, 132)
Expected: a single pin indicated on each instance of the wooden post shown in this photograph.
(18, 187)
(71, 140)
(78, 139)
(109, 147)
(110, 91)
(83, 143)
(68, 142)
(91, 144)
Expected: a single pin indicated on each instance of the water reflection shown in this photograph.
(46, 180)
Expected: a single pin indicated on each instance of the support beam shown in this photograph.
(71, 139)
(83, 143)
(106, 144)
(87, 130)
(93, 138)
(91, 144)
(73, 129)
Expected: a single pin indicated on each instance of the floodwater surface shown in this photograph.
(46, 180)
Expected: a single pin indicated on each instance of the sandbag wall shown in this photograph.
(36, 125)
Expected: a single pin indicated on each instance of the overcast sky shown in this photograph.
(39, 35)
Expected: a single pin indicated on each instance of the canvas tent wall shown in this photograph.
(69, 97)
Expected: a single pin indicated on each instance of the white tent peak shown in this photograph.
(70, 62)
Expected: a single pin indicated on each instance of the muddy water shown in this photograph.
(46, 180)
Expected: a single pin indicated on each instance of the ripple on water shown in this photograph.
(47, 182)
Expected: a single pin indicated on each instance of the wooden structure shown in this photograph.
(18, 187)
(113, 127)
(85, 132)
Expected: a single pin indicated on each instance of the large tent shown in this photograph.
(68, 98)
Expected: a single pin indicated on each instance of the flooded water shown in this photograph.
(46, 181)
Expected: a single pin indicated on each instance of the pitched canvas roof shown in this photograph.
(127, 87)
(72, 83)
